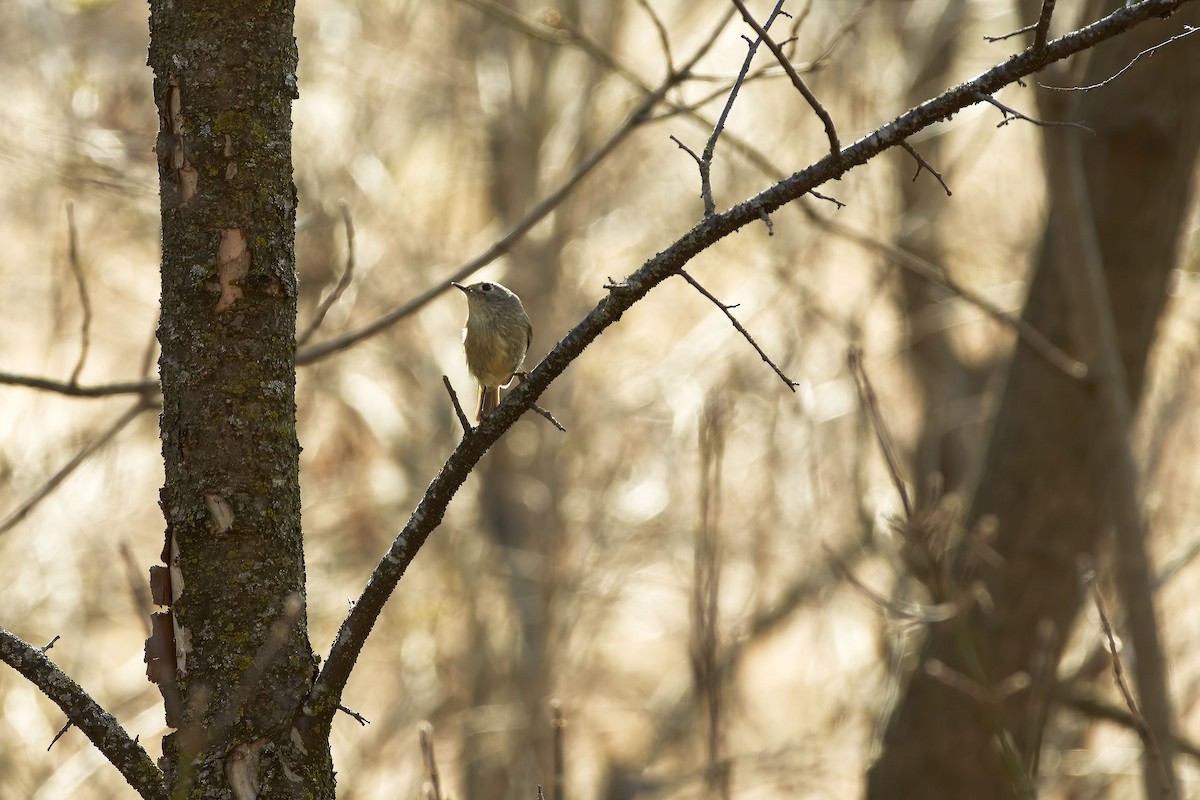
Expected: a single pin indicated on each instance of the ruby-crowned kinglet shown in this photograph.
(496, 337)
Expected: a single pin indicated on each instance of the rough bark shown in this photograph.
(224, 81)
(1044, 476)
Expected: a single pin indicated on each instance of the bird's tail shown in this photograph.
(489, 398)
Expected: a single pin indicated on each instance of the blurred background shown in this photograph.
(662, 573)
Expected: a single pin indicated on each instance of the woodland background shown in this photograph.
(567, 568)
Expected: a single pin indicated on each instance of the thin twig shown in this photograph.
(48, 645)
(342, 284)
(1188, 31)
(100, 727)
(425, 736)
(1042, 30)
(1096, 708)
(725, 309)
(458, 410)
(548, 417)
(663, 38)
(77, 270)
(138, 589)
(52, 483)
(66, 726)
(1017, 32)
(922, 164)
(430, 510)
(1140, 724)
(687, 150)
(827, 198)
(639, 116)
(899, 609)
(705, 161)
(1028, 334)
(75, 390)
(1010, 114)
(558, 724)
(834, 146)
(357, 717)
(867, 394)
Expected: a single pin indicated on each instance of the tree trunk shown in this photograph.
(1043, 476)
(225, 78)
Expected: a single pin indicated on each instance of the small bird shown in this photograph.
(496, 338)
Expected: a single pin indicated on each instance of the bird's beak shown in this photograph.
(459, 286)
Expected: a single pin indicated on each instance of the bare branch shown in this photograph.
(866, 393)
(558, 724)
(1188, 30)
(77, 270)
(725, 309)
(100, 727)
(357, 717)
(922, 164)
(66, 727)
(57, 478)
(75, 390)
(1139, 722)
(1042, 29)
(429, 512)
(1010, 114)
(663, 38)
(706, 160)
(1098, 709)
(898, 609)
(639, 116)
(834, 146)
(425, 735)
(342, 284)
(1028, 334)
(1010, 35)
(458, 410)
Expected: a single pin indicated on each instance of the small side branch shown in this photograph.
(84, 300)
(354, 715)
(1010, 35)
(1042, 30)
(74, 389)
(57, 478)
(1139, 721)
(835, 147)
(1039, 29)
(867, 394)
(458, 410)
(725, 309)
(342, 284)
(922, 164)
(1010, 114)
(432, 776)
(100, 727)
(1188, 30)
(663, 38)
(704, 162)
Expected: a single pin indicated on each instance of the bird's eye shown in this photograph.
(487, 287)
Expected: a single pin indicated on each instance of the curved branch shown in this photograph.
(85, 714)
(75, 389)
(327, 690)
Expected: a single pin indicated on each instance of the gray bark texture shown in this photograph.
(224, 81)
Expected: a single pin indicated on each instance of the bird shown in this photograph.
(496, 338)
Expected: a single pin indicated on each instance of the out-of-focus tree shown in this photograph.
(1052, 478)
